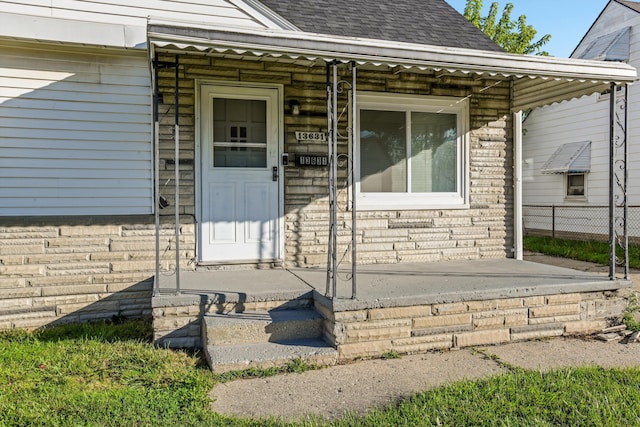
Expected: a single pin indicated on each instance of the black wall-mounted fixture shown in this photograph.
(294, 106)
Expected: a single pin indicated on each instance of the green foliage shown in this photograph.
(631, 315)
(99, 374)
(583, 250)
(294, 366)
(567, 397)
(513, 36)
(86, 375)
(391, 355)
(107, 331)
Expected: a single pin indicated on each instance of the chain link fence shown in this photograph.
(576, 222)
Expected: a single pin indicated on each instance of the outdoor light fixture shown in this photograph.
(294, 105)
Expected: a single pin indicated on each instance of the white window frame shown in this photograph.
(415, 103)
(574, 198)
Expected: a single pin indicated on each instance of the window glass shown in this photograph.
(575, 185)
(411, 152)
(434, 152)
(239, 133)
(383, 151)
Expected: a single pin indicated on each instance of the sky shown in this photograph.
(566, 20)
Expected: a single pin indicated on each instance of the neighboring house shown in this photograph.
(240, 94)
(566, 145)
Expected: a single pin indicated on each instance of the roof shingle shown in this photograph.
(631, 4)
(431, 22)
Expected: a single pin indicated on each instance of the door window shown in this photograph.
(239, 133)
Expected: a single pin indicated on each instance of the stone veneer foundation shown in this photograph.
(371, 332)
(52, 274)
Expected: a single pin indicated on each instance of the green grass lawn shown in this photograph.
(110, 375)
(587, 250)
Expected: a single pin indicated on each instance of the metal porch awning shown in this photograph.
(537, 80)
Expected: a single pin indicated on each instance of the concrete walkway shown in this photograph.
(363, 385)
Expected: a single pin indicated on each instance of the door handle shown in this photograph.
(275, 173)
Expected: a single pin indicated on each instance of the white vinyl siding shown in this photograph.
(75, 133)
(585, 119)
(118, 23)
(549, 128)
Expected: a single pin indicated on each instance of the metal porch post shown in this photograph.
(156, 175)
(334, 88)
(330, 155)
(333, 176)
(618, 178)
(156, 140)
(354, 158)
(177, 171)
(612, 133)
(626, 182)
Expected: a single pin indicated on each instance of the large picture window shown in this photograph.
(411, 152)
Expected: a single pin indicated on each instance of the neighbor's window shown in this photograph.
(576, 185)
(411, 151)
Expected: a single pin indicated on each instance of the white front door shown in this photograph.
(239, 133)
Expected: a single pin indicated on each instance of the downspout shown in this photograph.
(517, 186)
(517, 180)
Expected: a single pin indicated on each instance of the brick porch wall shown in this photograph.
(373, 332)
(415, 329)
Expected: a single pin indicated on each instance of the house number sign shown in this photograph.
(311, 136)
(312, 160)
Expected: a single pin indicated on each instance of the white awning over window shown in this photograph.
(610, 47)
(574, 157)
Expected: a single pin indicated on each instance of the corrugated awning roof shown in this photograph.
(573, 157)
(537, 80)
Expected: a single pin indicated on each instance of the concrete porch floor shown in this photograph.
(393, 285)
(408, 308)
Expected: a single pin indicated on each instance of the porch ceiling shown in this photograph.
(537, 80)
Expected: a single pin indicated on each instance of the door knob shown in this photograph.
(275, 173)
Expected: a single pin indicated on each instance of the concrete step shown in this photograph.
(269, 354)
(260, 326)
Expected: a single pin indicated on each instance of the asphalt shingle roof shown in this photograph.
(631, 4)
(432, 22)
